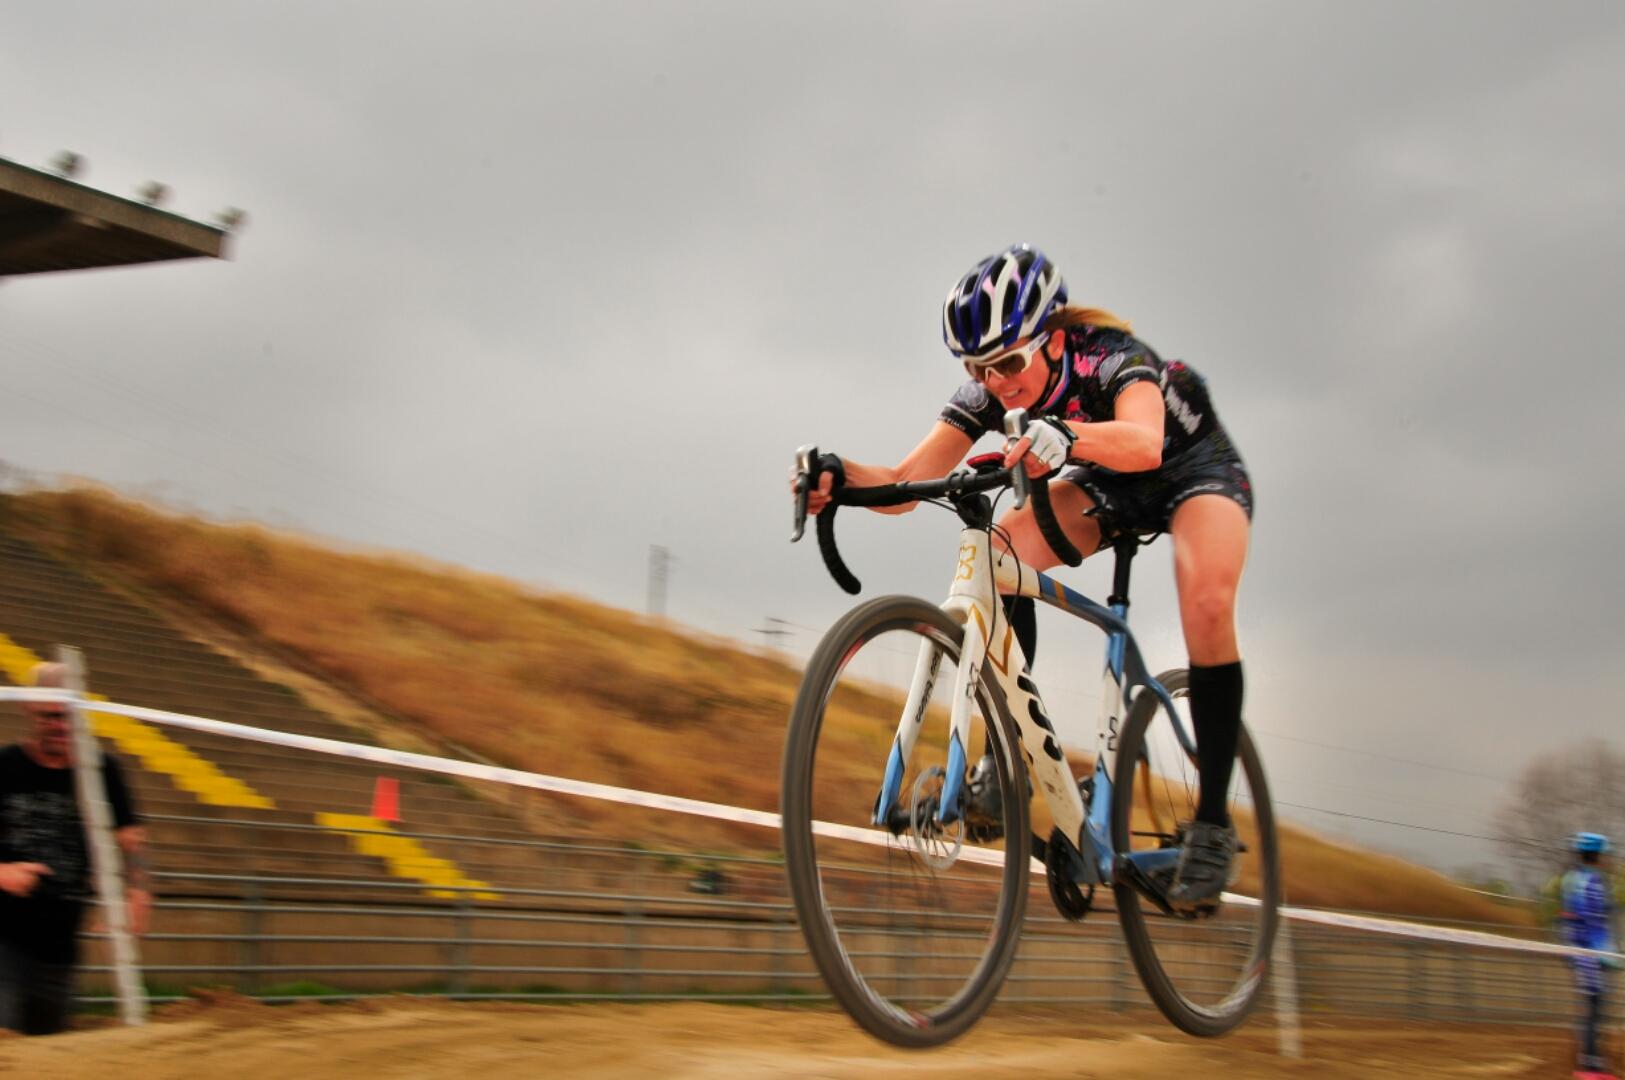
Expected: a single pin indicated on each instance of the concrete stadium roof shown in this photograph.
(48, 222)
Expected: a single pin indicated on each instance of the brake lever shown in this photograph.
(1015, 425)
(805, 456)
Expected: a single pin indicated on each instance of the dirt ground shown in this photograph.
(417, 1038)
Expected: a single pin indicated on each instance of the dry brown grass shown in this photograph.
(555, 683)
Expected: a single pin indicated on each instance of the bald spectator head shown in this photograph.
(51, 738)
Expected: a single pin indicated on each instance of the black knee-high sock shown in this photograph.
(1023, 616)
(1216, 715)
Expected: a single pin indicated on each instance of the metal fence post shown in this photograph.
(248, 952)
(1416, 978)
(463, 932)
(776, 981)
(1118, 948)
(903, 968)
(632, 950)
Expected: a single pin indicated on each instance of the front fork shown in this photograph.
(908, 729)
(926, 667)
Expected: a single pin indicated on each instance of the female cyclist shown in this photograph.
(1143, 452)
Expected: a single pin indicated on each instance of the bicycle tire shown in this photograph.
(1191, 1016)
(879, 1016)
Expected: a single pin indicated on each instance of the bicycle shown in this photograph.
(922, 975)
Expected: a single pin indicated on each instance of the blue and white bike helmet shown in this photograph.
(1003, 299)
(1586, 843)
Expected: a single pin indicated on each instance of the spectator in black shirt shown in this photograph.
(45, 872)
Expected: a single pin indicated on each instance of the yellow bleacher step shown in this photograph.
(161, 754)
(404, 856)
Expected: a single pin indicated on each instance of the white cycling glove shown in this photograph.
(1052, 441)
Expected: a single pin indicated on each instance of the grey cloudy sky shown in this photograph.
(530, 287)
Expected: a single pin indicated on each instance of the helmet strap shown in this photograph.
(1060, 377)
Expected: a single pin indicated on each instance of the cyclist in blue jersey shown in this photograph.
(1141, 451)
(1587, 919)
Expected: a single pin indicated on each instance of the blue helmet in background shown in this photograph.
(1588, 843)
(1001, 300)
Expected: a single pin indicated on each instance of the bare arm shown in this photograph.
(1132, 440)
(941, 449)
(132, 840)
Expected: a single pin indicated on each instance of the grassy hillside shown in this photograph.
(550, 683)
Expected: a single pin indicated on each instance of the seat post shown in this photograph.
(1124, 550)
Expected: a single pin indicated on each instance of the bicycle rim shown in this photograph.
(912, 930)
(1205, 974)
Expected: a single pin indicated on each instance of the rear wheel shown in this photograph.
(1205, 973)
(913, 924)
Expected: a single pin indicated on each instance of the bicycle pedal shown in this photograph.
(1202, 911)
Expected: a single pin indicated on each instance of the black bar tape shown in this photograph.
(880, 495)
(832, 555)
(1049, 527)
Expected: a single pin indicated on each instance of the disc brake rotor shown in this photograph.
(935, 844)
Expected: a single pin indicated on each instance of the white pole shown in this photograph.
(104, 852)
(1284, 977)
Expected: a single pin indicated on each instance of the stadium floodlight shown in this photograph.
(68, 164)
(231, 218)
(153, 192)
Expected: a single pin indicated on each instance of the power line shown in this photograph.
(1411, 825)
(1386, 757)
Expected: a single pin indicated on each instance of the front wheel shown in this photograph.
(1204, 973)
(913, 922)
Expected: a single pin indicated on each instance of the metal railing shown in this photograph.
(617, 923)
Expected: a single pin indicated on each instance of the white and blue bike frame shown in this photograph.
(990, 645)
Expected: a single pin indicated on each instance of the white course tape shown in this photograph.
(631, 797)
(407, 760)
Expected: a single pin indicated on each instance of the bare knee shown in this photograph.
(1208, 611)
(1024, 539)
(1069, 504)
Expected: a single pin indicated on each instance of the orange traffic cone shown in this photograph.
(386, 799)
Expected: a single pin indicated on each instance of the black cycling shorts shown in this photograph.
(1138, 504)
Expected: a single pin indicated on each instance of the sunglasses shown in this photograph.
(1007, 365)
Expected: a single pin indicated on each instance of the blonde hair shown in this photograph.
(1073, 315)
